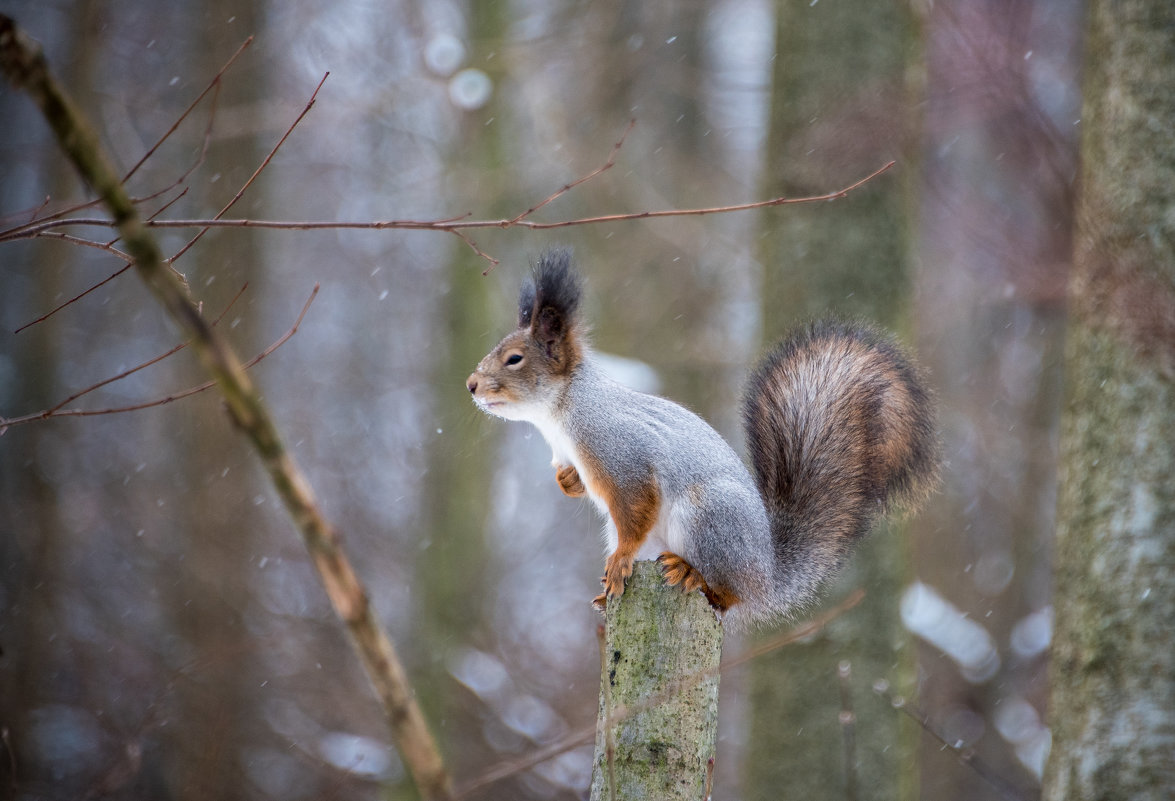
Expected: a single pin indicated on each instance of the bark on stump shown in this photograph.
(658, 692)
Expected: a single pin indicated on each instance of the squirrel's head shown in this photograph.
(523, 375)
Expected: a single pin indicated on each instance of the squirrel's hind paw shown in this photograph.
(678, 572)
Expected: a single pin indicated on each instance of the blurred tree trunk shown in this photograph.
(452, 580)
(206, 745)
(1113, 668)
(667, 288)
(35, 543)
(838, 111)
(993, 250)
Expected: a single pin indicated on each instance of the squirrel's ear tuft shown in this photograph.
(554, 288)
(549, 302)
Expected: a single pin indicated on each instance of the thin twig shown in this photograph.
(57, 411)
(611, 160)
(265, 163)
(44, 204)
(966, 756)
(156, 360)
(848, 725)
(607, 165)
(107, 247)
(213, 85)
(449, 224)
(130, 263)
(167, 205)
(473, 246)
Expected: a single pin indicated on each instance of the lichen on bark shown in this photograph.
(658, 692)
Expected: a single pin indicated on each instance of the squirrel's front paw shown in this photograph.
(569, 481)
(616, 572)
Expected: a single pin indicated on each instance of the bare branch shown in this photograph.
(966, 756)
(213, 86)
(453, 225)
(607, 165)
(58, 411)
(155, 360)
(473, 246)
(104, 246)
(75, 298)
(24, 64)
(256, 172)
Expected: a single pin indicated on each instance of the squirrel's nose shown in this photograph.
(471, 383)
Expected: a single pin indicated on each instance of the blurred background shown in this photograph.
(163, 633)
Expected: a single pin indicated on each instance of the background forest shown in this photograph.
(163, 632)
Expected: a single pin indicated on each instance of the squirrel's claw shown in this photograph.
(677, 571)
(616, 572)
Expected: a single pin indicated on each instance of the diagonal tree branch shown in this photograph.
(23, 63)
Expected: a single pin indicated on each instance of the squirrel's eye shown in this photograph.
(513, 358)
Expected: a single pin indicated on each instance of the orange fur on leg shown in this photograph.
(634, 509)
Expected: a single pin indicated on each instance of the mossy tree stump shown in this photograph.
(658, 721)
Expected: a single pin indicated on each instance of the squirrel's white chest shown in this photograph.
(563, 450)
(666, 533)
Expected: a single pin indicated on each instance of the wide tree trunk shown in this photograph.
(1113, 658)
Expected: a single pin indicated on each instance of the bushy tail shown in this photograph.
(841, 430)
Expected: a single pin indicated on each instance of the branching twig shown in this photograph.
(452, 225)
(58, 411)
(265, 163)
(104, 246)
(23, 64)
(213, 86)
(125, 373)
(607, 165)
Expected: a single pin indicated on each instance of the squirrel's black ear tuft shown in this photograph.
(554, 289)
(549, 304)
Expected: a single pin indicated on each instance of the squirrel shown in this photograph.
(839, 425)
